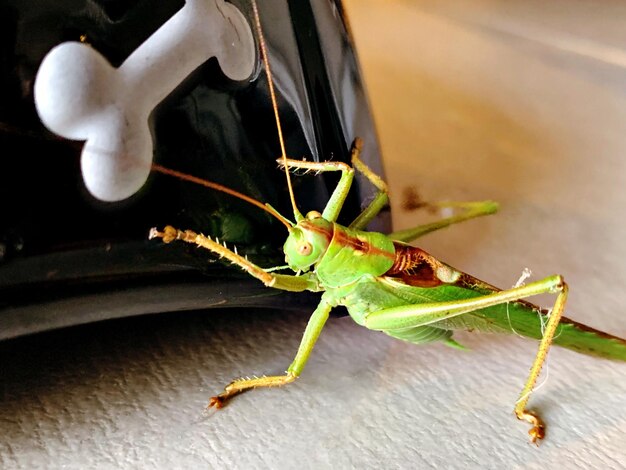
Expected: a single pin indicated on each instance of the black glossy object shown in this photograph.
(66, 258)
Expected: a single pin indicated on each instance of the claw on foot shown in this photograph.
(216, 402)
(241, 385)
(169, 234)
(219, 401)
(538, 430)
(537, 433)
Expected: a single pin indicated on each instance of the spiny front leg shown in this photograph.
(169, 234)
(311, 334)
(276, 281)
(340, 193)
(337, 199)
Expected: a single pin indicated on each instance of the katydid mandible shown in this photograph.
(390, 286)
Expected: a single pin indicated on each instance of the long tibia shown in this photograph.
(311, 334)
(410, 316)
(170, 234)
(538, 428)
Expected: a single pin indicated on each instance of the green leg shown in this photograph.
(338, 197)
(278, 281)
(311, 334)
(470, 210)
(382, 197)
(430, 313)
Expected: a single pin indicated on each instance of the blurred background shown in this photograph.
(523, 102)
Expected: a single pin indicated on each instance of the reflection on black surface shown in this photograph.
(58, 241)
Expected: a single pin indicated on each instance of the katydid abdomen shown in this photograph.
(393, 289)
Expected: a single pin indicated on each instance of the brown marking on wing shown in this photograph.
(414, 267)
(359, 246)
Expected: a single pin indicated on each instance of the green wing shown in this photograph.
(520, 317)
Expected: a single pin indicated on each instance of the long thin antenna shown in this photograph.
(224, 189)
(268, 72)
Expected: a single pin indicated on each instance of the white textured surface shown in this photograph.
(464, 112)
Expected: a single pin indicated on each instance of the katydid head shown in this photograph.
(307, 241)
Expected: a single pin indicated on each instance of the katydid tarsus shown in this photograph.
(392, 287)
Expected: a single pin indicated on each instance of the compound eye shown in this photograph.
(305, 249)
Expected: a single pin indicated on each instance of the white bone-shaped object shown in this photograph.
(80, 96)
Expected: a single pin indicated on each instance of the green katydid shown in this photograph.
(392, 287)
